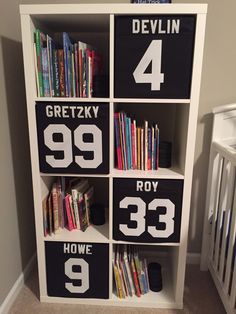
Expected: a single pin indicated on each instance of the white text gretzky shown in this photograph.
(80, 112)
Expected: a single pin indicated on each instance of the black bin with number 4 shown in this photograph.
(153, 56)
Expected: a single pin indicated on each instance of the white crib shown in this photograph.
(218, 248)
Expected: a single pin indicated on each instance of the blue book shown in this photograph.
(45, 70)
(67, 47)
(127, 142)
(50, 47)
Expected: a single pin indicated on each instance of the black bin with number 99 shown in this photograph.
(147, 211)
(73, 137)
(154, 55)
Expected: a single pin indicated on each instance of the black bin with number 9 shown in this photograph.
(73, 137)
(147, 211)
(153, 56)
(77, 270)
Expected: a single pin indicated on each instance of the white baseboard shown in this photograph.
(7, 303)
(193, 258)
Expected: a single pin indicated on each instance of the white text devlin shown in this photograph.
(157, 26)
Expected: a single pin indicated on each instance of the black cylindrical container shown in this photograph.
(97, 214)
(155, 277)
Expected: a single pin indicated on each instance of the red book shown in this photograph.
(117, 137)
(135, 277)
(133, 140)
(68, 212)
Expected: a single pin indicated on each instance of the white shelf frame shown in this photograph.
(45, 11)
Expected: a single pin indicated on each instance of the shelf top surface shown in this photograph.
(104, 8)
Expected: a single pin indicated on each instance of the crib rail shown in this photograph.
(222, 219)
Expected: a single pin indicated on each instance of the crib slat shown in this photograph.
(221, 209)
(215, 192)
(225, 235)
(233, 289)
(230, 245)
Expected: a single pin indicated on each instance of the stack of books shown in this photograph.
(137, 147)
(67, 71)
(130, 272)
(67, 206)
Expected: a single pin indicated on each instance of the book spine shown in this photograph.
(39, 62)
(75, 207)
(50, 214)
(50, 65)
(138, 270)
(149, 162)
(68, 212)
(82, 212)
(125, 150)
(36, 69)
(121, 140)
(61, 72)
(45, 215)
(142, 149)
(135, 144)
(145, 145)
(66, 65)
(117, 140)
(80, 71)
(135, 277)
(77, 94)
(157, 148)
(146, 273)
(88, 196)
(55, 209)
(46, 85)
(73, 82)
(56, 82)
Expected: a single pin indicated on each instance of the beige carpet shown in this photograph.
(200, 298)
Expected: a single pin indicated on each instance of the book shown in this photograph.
(36, 67)
(68, 203)
(50, 47)
(39, 38)
(129, 274)
(45, 70)
(55, 72)
(50, 214)
(118, 141)
(61, 220)
(67, 49)
(45, 216)
(89, 199)
(82, 188)
(61, 67)
(55, 208)
(135, 277)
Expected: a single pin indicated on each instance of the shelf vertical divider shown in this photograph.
(111, 58)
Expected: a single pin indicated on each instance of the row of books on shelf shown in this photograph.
(65, 70)
(137, 147)
(67, 205)
(130, 272)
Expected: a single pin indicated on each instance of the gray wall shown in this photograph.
(17, 240)
(217, 88)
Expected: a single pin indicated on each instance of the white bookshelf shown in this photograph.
(178, 121)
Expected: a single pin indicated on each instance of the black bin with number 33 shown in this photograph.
(147, 211)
